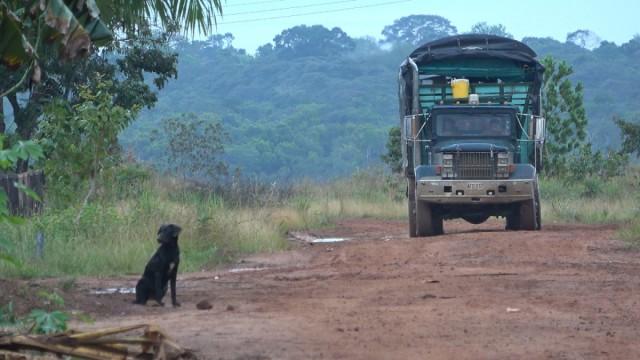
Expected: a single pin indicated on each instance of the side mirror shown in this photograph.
(411, 127)
(406, 128)
(541, 129)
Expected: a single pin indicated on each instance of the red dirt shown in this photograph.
(569, 291)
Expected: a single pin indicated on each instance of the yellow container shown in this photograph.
(460, 88)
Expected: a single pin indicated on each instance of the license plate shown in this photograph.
(474, 186)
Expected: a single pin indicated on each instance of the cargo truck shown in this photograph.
(472, 132)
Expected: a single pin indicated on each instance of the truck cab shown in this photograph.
(475, 153)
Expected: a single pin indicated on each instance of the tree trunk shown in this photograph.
(25, 125)
(3, 126)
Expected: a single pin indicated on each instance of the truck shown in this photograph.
(472, 134)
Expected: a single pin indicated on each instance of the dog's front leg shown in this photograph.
(174, 274)
(158, 288)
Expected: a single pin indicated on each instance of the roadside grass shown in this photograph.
(631, 233)
(591, 201)
(116, 232)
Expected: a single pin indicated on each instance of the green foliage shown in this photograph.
(116, 233)
(322, 117)
(630, 135)
(51, 298)
(608, 78)
(7, 315)
(38, 321)
(190, 15)
(311, 116)
(418, 29)
(586, 163)
(70, 26)
(195, 145)
(313, 40)
(484, 28)
(393, 157)
(80, 139)
(48, 322)
(591, 200)
(566, 118)
(23, 150)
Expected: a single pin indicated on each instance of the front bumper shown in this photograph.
(474, 191)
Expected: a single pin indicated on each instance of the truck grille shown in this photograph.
(474, 165)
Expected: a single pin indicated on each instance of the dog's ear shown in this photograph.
(175, 230)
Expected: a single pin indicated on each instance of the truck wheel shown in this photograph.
(411, 194)
(425, 224)
(528, 215)
(476, 219)
(513, 220)
(438, 228)
(538, 207)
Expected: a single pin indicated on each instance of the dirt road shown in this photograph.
(567, 292)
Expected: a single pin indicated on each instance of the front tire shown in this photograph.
(528, 215)
(428, 222)
(538, 207)
(411, 201)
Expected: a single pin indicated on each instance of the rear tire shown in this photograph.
(476, 220)
(438, 226)
(513, 220)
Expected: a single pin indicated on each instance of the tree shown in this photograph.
(630, 135)
(563, 108)
(484, 28)
(73, 25)
(584, 38)
(79, 139)
(23, 150)
(195, 145)
(126, 64)
(393, 157)
(418, 29)
(314, 40)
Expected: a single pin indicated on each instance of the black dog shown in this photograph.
(161, 268)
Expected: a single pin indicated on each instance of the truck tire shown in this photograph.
(513, 220)
(438, 226)
(411, 201)
(538, 207)
(476, 219)
(528, 215)
(428, 223)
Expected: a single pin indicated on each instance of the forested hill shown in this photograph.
(317, 103)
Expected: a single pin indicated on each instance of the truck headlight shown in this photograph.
(503, 168)
(447, 166)
(447, 160)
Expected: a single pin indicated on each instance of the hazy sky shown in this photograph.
(612, 20)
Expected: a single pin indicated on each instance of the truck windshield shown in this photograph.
(473, 124)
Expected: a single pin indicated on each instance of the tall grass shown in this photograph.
(591, 200)
(116, 232)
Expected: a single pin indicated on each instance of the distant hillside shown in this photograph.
(316, 103)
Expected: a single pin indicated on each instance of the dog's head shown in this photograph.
(168, 233)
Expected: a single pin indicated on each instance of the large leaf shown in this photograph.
(14, 48)
(49, 322)
(73, 24)
(77, 22)
(189, 15)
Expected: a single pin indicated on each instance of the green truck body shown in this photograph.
(477, 155)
